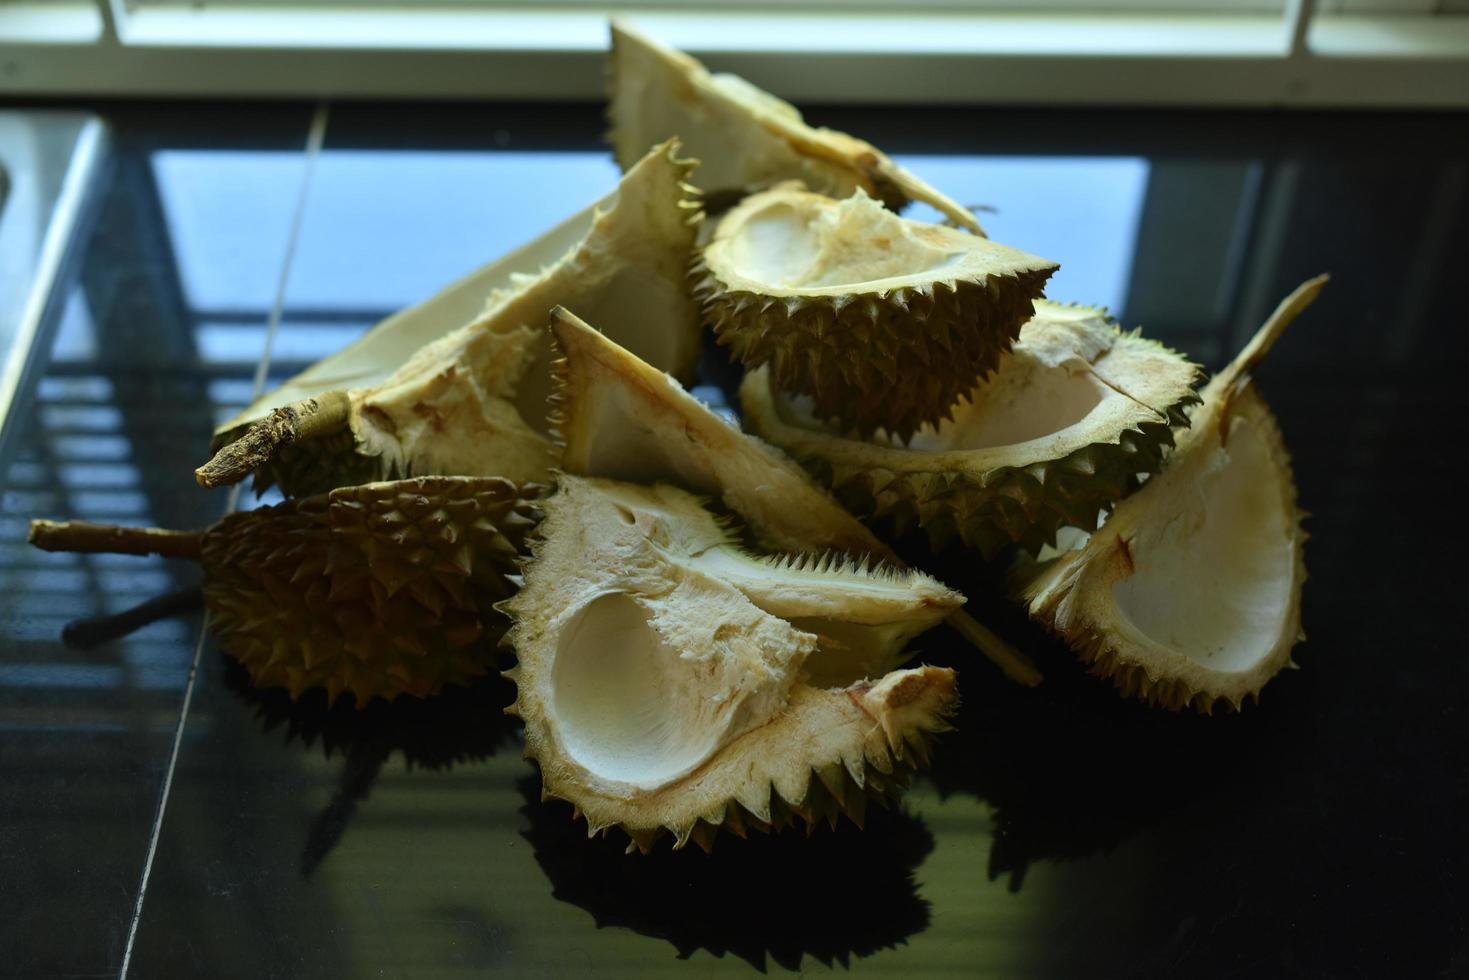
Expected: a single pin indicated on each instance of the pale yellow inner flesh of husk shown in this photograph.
(625, 447)
(640, 311)
(1213, 582)
(631, 710)
(1054, 400)
(854, 242)
(734, 150)
(856, 617)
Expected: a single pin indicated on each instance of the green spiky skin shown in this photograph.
(1009, 506)
(321, 466)
(379, 590)
(892, 360)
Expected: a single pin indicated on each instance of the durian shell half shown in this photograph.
(381, 590)
(669, 726)
(458, 383)
(1190, 593)
(747, 138)
(1061, 432)
(918, 315)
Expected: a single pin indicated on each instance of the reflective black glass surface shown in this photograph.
(1063, 831)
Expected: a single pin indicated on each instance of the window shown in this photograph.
(1221, 52)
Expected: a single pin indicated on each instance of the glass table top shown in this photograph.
(157, 809)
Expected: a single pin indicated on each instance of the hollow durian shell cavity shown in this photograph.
(659, 696)
(881, 321)
(745, 137)
(379, 590)
(1073, 415)
(1190, 593)
(432, 395)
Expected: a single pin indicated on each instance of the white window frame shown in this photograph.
(1332, 53)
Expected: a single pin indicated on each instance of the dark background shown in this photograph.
(1063, 831)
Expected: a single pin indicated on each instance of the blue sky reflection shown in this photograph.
(1082, 212)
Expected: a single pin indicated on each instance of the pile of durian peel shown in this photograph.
(710, 626)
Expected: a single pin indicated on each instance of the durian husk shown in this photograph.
(380, 590)
(781, 748)
(424, 393)
(748, 138)
(1089, 595)
(862, 612)
(918, 315)
(1018, 492)
(618, 417)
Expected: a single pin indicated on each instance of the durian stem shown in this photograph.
(84, 634)
(1015, 665)
(110, 539)
(1268, 334)
(306, 419)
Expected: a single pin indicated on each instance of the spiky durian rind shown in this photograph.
(987, 509)
(380, 590)
(1052, 592)
(779, 787)
(892, 359)
(823, 753)
(647, 228)
(1024, 507)
(1074, 594)
(320, 466)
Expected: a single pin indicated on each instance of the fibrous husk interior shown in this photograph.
(659, 693)
(789, 241)
(1213, 582)
(1190, 592)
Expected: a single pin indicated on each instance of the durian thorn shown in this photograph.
(1012, 663)
(110, 539)
(307, 419)
(1267, 335)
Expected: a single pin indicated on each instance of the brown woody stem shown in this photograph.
(1015, 665)
(111, 539)
(307, 419)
